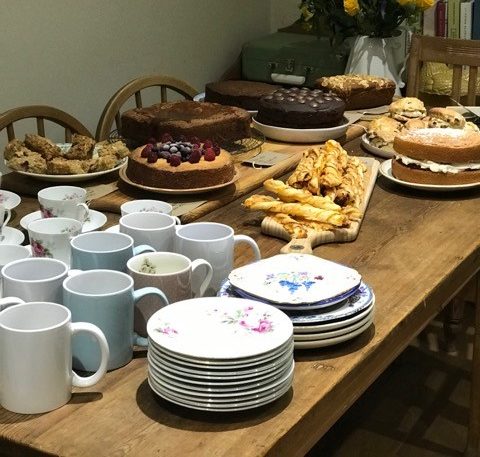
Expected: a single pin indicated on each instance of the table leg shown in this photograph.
(473, 434)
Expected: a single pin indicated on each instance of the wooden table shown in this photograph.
(416, 250)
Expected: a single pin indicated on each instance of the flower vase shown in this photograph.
(376, 57)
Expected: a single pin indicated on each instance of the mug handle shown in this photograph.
(198, 263)
(9, 301)
(8, 215)
(177, 220)
(86, 211)
(143, 248)
(140, 293)
(88, 381)
(251, 242)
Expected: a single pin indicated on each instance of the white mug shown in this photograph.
(215, 243)
(51, 237)
(153, 229)
(63, 201)
(34, 279)
(36, 357)
(171, 273)
(147, 206)
(5, 215)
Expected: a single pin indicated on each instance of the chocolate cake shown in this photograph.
(244, 94)
(185, 118)
(180, 164)
(301, 108)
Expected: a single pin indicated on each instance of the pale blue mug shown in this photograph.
(105, 298)
(104, 250)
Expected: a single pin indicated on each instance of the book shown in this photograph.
(429, 20)
(476, 20)
(441, 18)
(453, 19)
(466, 17)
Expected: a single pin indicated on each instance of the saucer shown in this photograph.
(96, 220)
(113, 229)
(12, 236)
(9, 199)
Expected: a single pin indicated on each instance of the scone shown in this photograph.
(45, 147)
(407, 108)
(32, 163)
(417, 123)
(445, 118)
(81, 149)
(382, 131)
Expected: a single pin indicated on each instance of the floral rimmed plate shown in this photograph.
(196, 327)
(294, 279)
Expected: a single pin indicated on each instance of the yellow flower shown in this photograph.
(424, 4)
(351, 7)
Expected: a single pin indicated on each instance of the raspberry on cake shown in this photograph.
(301, 108)
(180, 164)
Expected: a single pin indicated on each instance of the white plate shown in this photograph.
(96, 220)
(195, 327)
(333, 333)
(332, 341)
(12, 236)
(70, 178)
(381, 152)
(113, 229)
(9, 200)
(294, 279)
(301, 135)
(386, 171)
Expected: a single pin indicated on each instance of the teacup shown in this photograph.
(107, 299)
(36, 357)
(11, 252)
(172, 273)
(147, 206)
(51, 237)
(154, 229)
(104, 250)
(215, 243)
(34, 279)
(63, 201)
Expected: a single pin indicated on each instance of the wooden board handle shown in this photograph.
(298, 246)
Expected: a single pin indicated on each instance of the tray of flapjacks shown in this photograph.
(324, 200)
(82, 159)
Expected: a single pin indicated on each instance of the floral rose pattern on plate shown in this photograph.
(293, 281)
(167, 330)
(39, 250)
(248, 321)
(46, 212)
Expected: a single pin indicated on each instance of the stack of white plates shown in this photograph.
(220, 354)
(327, 303)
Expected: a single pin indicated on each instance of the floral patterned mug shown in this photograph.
(64, 201)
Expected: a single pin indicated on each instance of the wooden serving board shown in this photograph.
(306, 245)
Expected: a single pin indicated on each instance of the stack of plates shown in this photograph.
(327, 303)
(220, 354)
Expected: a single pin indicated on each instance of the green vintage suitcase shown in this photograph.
(291, 58)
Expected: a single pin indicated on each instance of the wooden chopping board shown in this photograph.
(306, 245)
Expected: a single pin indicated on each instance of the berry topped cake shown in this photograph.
(301, 108)
(180, 163)
(186, 117)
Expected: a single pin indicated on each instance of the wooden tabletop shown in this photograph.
(415, 249)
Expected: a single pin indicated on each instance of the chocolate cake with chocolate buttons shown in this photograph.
(301, 108)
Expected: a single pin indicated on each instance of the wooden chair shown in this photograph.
(457, 53)
(42, 113)
(111, 113)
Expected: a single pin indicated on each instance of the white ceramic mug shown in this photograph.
(64, 201)
(36, 357)
(11, 252)
(147, 206)
(215, 243)
(51, 237)
(153, 229)
(5, 215)
(172, 274)
(34, 279)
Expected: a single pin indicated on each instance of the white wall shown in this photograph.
(74, 54)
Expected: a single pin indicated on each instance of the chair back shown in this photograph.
(453, 52)
(42, 113)
(111, 114)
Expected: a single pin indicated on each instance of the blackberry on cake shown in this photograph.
(174, 163)
(301, 108)
(244, 94)
(186, 118)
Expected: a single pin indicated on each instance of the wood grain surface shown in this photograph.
(415, 249)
